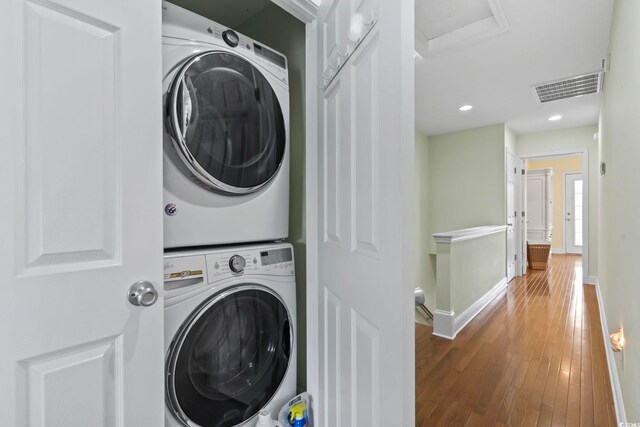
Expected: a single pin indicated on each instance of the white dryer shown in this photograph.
(226, 140)
(230, 328)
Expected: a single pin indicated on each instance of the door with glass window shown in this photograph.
(573, 222)
(229, 358)
(226, 123)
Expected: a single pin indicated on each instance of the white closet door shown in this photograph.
(81, 186)
(366, 223)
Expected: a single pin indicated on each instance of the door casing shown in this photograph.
(522, 240)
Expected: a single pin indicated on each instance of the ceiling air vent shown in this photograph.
(568, 88)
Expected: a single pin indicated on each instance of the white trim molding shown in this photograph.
(447, 325)
(443, 324)
(305, 10)
(611, 362)
(448, 237)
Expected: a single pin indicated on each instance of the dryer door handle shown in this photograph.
(182, 283)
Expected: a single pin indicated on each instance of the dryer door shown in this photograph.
(226, 122)
(229, 358)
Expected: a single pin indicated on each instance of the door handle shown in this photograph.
(510, 225)
(142, 294)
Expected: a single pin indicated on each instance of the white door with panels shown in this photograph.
(539, 205)
(81, 183)
(365, 214)
(573, 202)
(512, 215)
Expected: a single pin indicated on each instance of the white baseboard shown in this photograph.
(558, 251)
(447, 325)
(592, 280)
(613, 371)
(443, 322)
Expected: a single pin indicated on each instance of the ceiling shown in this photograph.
(229, 13)
(487, 53)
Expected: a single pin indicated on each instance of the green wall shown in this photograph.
(477, 266)
(284, 33)
(425, 260)
(619, 219)
(460, 184)
(467, 179)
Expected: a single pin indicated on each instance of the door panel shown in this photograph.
(82, 179)
(365, 224)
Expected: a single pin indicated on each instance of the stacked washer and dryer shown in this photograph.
(229, 297)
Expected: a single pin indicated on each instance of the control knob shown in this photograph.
(231, 38)
(237, 263)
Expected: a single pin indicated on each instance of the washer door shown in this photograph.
(226, 122)
(229, 358)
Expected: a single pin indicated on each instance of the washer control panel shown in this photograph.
(278, 262)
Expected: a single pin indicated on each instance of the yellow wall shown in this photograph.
(559, 167)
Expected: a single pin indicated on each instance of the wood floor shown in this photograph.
(534, 356)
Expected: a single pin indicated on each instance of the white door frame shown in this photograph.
(584, 154)
(565, 234)
(520, 228)
(515, 222)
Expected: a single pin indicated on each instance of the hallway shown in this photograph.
(534, 356)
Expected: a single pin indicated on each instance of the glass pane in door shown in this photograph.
(577, 209)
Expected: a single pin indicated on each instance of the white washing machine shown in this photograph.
(230, 328)
(226, 139)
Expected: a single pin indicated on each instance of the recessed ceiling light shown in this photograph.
(466, 107)
(555, 118)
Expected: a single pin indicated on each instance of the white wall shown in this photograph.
(579, 138)
(619, 219)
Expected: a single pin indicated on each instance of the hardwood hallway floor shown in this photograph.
(534, 356)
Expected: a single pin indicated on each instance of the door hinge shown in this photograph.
(515, 170)
(523, 172)
(515, 257)
(522, 214)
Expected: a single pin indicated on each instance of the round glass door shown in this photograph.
(226, 122)
(229, 358)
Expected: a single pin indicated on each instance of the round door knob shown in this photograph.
(237, 263)
(143, 294)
